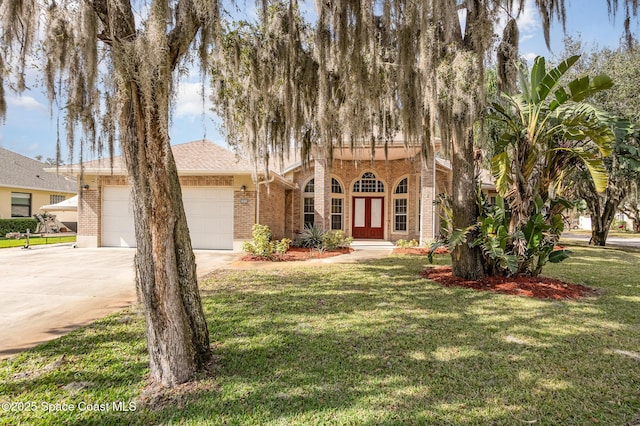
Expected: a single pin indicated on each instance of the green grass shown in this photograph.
(365, 344)
(35, 241)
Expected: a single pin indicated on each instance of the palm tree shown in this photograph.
(547, 129)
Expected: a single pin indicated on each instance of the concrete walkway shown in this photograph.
(47, 291)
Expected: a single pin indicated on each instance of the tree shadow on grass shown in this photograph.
(380, 346)
(375, 344)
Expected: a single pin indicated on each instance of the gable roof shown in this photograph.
(197, 157)
(18, 171)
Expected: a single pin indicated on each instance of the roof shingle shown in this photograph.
(18, 171)
(197, 156)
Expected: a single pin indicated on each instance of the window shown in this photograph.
(400, 204)
(368, 183)
(309, 212)
(55, 199)
(336, 214)
(337, 204)
(310, 186)
(400, 214)
(20, 204)
(336, 188)
(402, 187)
(308, 207)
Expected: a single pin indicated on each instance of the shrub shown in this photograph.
(334, 240)
(311, 237)
(523, 250)
(406, 243)
(262, 244)
(315, 238)
(17, 225)
(282, 246)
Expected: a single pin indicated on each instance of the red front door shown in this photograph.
(368, 217)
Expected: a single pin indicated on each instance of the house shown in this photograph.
(25, 186)
(384, 198)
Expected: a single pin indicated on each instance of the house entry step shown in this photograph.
(362, 244)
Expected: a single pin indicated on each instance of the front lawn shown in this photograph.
(368, 343)
(35, 241)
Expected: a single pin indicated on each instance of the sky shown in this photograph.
(31, 131)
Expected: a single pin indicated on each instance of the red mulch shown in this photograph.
(538, 287)
(297, 253)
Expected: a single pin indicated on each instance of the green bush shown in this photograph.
(407, 243)
(282, 246)
(522, 251)
(17, 225)
(311, 237)
(334, 240)
(262, 244)
(316, 238)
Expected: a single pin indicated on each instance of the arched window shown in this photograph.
(401, 206)
(336, 188)
(308, 208)
(402, 187)
(368, 183)
(310, 186)
(337, 205)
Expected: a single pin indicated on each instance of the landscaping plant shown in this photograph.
(262, 244)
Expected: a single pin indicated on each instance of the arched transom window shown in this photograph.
(368, 183)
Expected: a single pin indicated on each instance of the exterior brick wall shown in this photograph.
(244, 214)
(89, 213)
(272, 208)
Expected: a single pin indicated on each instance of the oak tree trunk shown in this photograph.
(466, 260)
(166, 281)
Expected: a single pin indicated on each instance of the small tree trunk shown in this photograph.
(466, 261)
(600, 224)
(176, 330)
(598, 236)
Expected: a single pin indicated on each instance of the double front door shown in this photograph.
(368, 217)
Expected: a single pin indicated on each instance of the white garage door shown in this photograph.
(209, 216)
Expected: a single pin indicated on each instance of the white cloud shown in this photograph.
(189, 100)
(530, 56)
(528, 22)
(27, 102)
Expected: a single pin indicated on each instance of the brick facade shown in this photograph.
(244, 214)
(89, 205)
(390, 173)
(272, 208)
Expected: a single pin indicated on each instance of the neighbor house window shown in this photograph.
(20, 204)
(55, 199)
(400, 205)
(337, 204)
(368, 183)
(308, 208)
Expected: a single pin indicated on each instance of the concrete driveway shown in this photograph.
(47, 291)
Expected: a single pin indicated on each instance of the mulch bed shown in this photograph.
(536, 287)
(297, 253)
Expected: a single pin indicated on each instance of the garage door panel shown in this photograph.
(209, 214)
